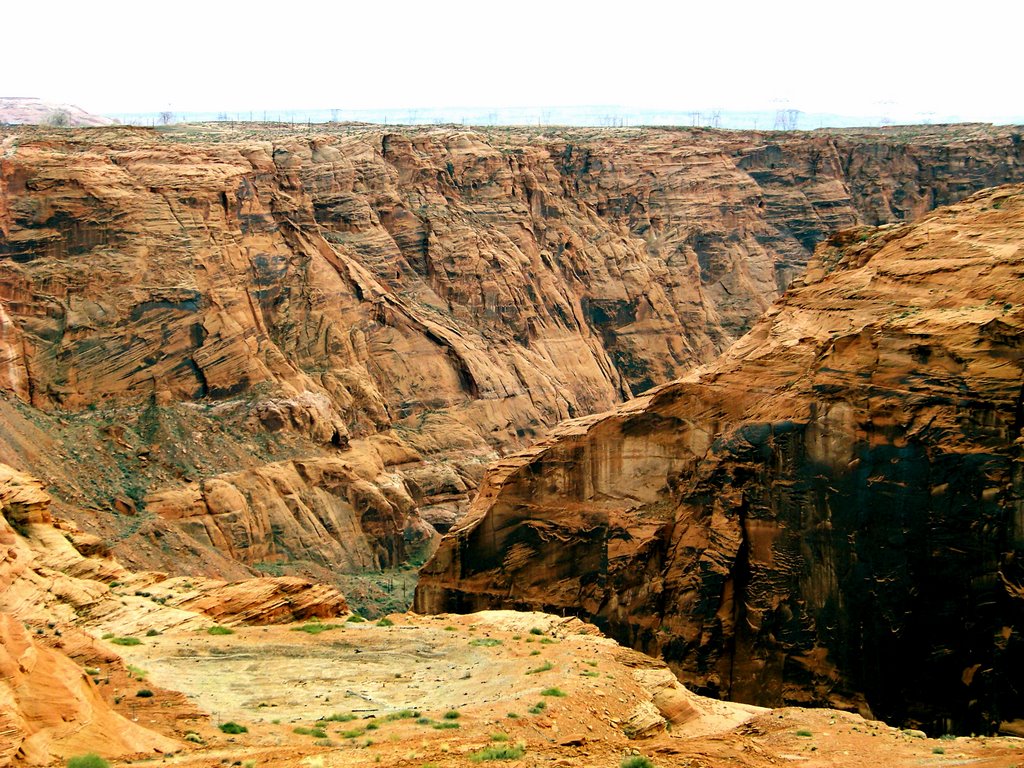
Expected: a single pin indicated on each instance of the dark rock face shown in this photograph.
(829, 514)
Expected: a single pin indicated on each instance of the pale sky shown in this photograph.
(869, 56)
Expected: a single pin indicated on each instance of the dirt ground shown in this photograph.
(439, 691)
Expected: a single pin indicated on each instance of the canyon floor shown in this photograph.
(440, 690)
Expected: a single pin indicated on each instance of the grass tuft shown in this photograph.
(636, 761)
(125, 640)
(499, 752)
(216, 629)
(553, 692)
(90, 760)
(232, 727)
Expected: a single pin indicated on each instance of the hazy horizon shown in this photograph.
(882, 62)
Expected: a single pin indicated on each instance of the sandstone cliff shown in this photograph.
(831, 513)
(182, 304)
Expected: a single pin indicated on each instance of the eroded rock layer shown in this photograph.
(182, 304)
(831, 513)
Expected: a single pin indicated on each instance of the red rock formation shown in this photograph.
(227, 298)
(829, 514)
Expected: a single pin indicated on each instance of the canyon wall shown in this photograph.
(180, 304)
(829, 514)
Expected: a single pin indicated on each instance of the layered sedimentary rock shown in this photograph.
(178, 305)
(830, 513)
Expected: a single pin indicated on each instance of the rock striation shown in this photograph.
(182, 304)
(829, 514)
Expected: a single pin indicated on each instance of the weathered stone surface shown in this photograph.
(182, 304)
(831, 513)
(18, 110)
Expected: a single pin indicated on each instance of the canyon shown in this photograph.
(229, 348)
(746, 402)
(829, 514)
(143, 667)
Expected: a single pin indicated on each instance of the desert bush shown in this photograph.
(636, 761)
(499, 752)
(125, 640)
(144, 693)
(553, 692)
(90, 760)
(232, 727)
(216, 629)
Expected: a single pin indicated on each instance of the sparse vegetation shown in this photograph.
(232, 727)
(536, 631)
(216, 629)
(938, 751)
(452, 714)
(636, 761)
(137, 672)
(338, 717)
(152, 632)
(125, 640)
(558, 692)
(193, 737)
(316, 628)
(317, 733)
(542, 668)
(385, 622)
(90, 760)
(499, 737)
(402, 714)
(590, 673)
(537, 708)
(486, 642)
(355, 618)
(144, 693)
(444, 725)
(353, 734)
(805, 733)
(91, 671)
(499, 752)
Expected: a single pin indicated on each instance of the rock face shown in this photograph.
(182, 304)
(831, 513)
(22, 110)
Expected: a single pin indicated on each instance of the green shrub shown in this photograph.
(444, 725)
(91, 671)
(355, 618)
(512, 716)
(125, 640)
(193, 737)
(553, 692)
(137, 672)
(316, 628)
(152, 632)
(90, 760)
(542, 668)
(402, 714)
(590, 673)
(805, 733)
(216, 629)
(317, 733)
(144, 693)
(537, 708)
(338, 717)
(232, 727)
(499, 737)
(536, 631)
(496, 752)
(385, 622)
(636, 761)
(449, 628)
(486, 642)
(938, 751)
(452, 714)
(353, 734)
(373, 725)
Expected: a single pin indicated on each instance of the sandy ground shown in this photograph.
(489, 673)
